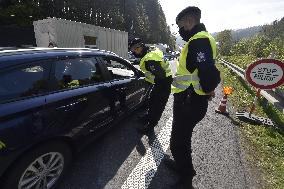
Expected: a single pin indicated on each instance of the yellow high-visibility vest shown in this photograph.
(184, 78)
(156, 55)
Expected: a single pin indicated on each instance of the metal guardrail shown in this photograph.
(275, 96)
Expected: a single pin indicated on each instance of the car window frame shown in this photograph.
(54, 89)
(26, 64)
(136, 75)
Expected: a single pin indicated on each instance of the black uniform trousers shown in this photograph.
(158, 99)
(189, 108)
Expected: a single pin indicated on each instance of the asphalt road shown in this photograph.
(125, 159)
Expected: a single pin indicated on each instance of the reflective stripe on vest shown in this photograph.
(187, 77)
(184, 78)
(184, 87)
(156, 55)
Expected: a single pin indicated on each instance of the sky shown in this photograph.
(219, 15)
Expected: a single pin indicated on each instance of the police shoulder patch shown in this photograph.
(201, 57)
(152, 68)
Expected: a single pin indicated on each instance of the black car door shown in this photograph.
(78, 103)
(127, 84)
(23, 90)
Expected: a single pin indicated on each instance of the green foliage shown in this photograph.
(269, 42)
(257, 46)
(21, 14)
(245, 33)
(225, 42)
(274, 30)
(265, 149)
(140, 18)
(242, 60)
(275, 48)
(240, 48)
(263, 145)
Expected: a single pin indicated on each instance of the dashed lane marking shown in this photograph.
(142, 174)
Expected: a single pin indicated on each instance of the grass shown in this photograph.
(264, 146)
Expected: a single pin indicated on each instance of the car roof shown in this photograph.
(18, 56)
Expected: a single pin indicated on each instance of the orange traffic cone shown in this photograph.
(222, 107)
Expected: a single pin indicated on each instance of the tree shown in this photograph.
(241, 47)
(141, 18)
(225, 40)
(19, 13)
(259, 43)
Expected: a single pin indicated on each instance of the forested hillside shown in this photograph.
(243, 33)
(269, 41)
(246, 33)
(140, 18)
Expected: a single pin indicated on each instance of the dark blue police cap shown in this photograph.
(189, 10)
(134, 42)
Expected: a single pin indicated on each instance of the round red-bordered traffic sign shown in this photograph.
(265, 73)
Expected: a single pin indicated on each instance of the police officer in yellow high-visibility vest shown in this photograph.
(158, 73)
(193, 85)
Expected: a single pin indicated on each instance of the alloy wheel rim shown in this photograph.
(43, 172)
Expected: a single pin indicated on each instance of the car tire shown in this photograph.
(55, 157)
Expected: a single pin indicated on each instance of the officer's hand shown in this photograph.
(212, 95)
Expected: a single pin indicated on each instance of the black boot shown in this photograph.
(171, 164)
(183, 183)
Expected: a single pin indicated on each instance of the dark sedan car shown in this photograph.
(53, 102)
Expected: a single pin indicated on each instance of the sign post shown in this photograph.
(254, 102)
(262, 74)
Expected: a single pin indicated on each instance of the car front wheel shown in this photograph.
(40, 168)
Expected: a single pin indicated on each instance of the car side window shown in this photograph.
(117, 68)
(29, 80)
(77, 72)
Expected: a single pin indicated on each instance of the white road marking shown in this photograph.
(142, 174)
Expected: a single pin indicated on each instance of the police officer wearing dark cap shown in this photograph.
(158, 74)
(193, 86)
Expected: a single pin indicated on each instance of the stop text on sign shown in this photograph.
(265, 73)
